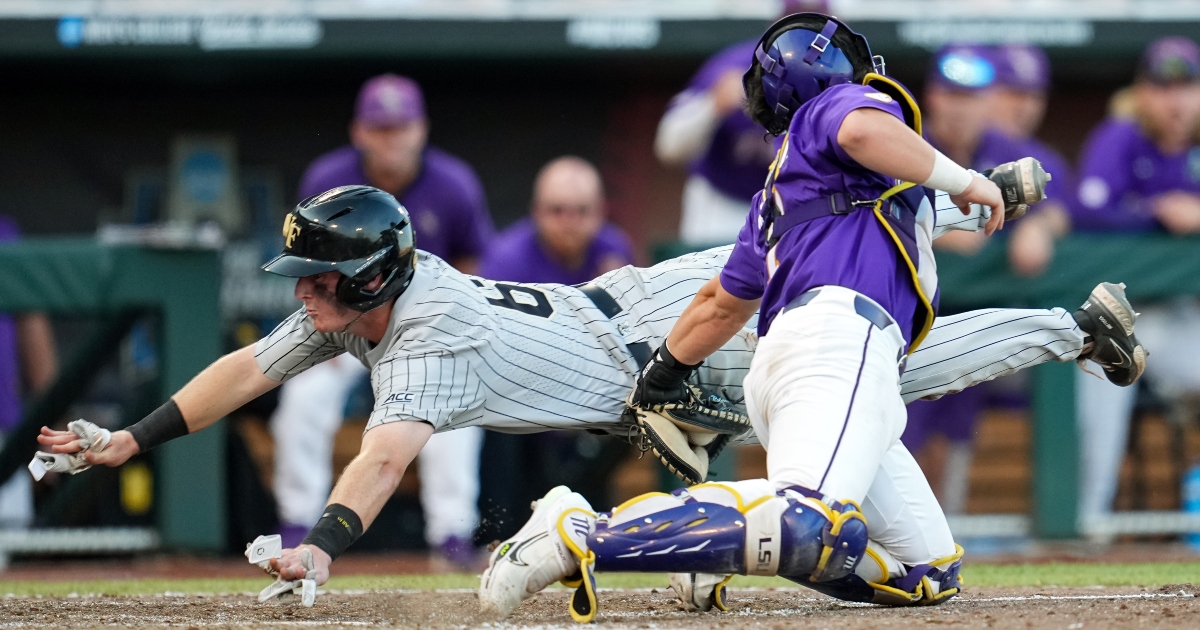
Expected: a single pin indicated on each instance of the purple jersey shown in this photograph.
(517, 255)
(10, 365)
(446, 202)
(737, 158)
(851, 250)
(1120, 174)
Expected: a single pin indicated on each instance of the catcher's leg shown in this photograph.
(784, 533)
(912, 556)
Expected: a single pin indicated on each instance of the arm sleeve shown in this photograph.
(294, 346)
(437, 388)
(744, 274)
(687, 128)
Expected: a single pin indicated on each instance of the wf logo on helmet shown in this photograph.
(290, 231)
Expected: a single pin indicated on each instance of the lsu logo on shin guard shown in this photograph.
(764, 535)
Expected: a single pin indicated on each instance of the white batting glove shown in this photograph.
(91, 438)
(262, 550)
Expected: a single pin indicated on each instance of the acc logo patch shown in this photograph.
(402, 398)
(878, 96)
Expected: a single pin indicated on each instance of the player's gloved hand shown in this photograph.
(72, 451)
(663, 379)
(120, 445)
(985, 193)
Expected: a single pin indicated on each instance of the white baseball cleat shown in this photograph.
(546, 550)
(699, 592)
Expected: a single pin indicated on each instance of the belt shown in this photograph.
(606, 304)
(869, 310)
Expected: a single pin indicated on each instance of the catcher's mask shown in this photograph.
(799, 57)
(358, 231)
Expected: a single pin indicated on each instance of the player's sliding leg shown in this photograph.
(970, 348)
(723, 528)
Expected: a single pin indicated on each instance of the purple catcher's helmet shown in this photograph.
(800, 56)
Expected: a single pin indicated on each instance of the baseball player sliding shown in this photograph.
(835, 261)
(448, 350)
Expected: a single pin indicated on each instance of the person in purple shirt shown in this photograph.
(566, 238)
(706, 129)
(442, 194)
(1141, 173)
(983, 103)
(388, 150)
(1018, 107)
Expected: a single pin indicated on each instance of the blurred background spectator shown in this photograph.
(1140, 172)
(450, 220)
(727, 154)
(28, 365)
(566, 239)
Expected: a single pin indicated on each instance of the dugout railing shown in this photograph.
(1155, 268)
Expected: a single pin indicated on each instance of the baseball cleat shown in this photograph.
(1107, 318)
(546, 550)
(699, 592)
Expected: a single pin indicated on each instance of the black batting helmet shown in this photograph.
(359, 231)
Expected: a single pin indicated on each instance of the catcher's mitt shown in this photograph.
(686, 434)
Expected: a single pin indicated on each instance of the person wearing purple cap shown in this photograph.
(1141, 173)
(706, 129)
(445, 199)
(389, 151)
(1018, 106)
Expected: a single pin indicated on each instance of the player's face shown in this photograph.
(1171, 111)
(319, 294)
(568, 209)
(395, 150)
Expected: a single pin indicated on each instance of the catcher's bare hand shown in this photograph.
(985, 193)
(290, 566)
(119, 449)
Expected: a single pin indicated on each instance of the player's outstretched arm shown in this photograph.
(882, 143)
(365, 486)
(229, 383)
(711, 320)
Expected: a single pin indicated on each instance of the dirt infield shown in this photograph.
(1174, 606)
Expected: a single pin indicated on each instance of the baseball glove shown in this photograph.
(688, 433)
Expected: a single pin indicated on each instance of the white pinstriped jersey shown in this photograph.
(465, 351)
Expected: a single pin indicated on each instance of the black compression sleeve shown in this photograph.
(338, 528)
(163, 424)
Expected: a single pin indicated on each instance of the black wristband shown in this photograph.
(666, 358)
(338, 528)
(163, 424)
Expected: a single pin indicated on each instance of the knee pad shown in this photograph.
(824, 542)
